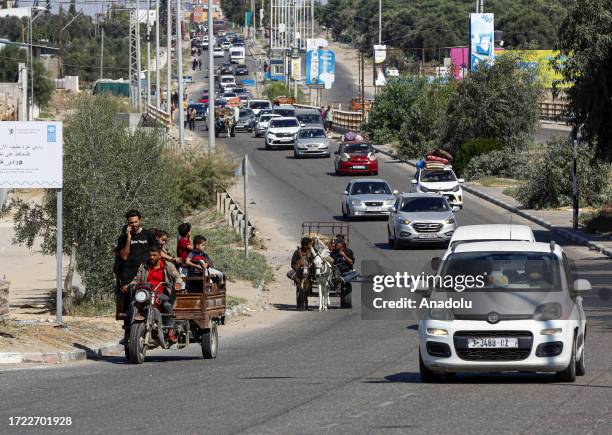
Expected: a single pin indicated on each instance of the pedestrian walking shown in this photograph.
(200, 64)
(329, 117)
(191, 115)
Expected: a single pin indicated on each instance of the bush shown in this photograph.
(599, 221)
(504, 163)
(279, 89)
(549, 177)
(474, 148)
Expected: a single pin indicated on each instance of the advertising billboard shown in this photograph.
(320, 68)
(31, 155)
(482, 40)
(380, 55)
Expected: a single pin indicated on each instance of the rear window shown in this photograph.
(311, 133)
(437, 176)
(266, 118)
(227, 79)
(259, 104)
(309, 118)
(285, 112)
(357, 148)
(283, 123)
(245, 112)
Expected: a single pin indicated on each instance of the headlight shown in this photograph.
(548, 311)
(390, 202)
(450, 221)
(456, 188)
(437, 331)
(423, 189)
(141, 296)
(271, 135)
(355, 202)
(403, 221)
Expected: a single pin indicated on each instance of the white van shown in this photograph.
(483, 233)
(237, 55)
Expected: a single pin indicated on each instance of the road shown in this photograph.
(322, 372)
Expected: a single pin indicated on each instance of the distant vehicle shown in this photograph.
(244, 95)
(113, 87)
(309, 117)
(201, 110)
(282, 132)
(358, 104)
(420, 218)
(204, 97)
(246, 120)
(442, 181)
(226, 45)
(218, 25)
(392, 71)
(237, 55)
(232, 99)
(241, 70)
(226, 68)
(356, 158)
(218, 52)
(367, 197)
(284, 110)
(258, 105)
(261, 126)
(227, 81)
(311, 141)
(482, 233)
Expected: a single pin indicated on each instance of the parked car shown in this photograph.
(442, 181)
(367, 197)
(201, 110)
(309, 117)
(261, 126)
(356, 158)
(257, 105)
(525, 315)
(311, 141)
(482, 233)
(282, 132)
(246, 120)
(420, 218)
(241, 70)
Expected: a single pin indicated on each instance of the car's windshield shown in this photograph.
(437, 176)
(429, 204)
(357, 148)
(309, 118)
(241, 91)
(283, 123)
(266, 117)
(245, 113)
(311, 133)
(229, 95)
(227, 79)
(259, 104)
(522, 271)
(371, 187)
(285, 112)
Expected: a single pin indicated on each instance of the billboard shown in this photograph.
(482, 40)
(380, 55)
(542, 59)
(31, 154)
(320, 68)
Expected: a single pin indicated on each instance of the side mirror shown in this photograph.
(345, 192)
(461, 180)
(392, 209)
(396, 192)
(302, 124)
(582, 285)
(435, 263)
(413, 181)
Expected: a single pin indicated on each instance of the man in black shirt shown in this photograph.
(132, 249)
(343, 257)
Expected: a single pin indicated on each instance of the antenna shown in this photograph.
(511, 226)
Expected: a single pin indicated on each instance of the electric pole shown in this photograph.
(179, 73)
(157, 76)
(211, 80)
(149, 52)
(168, 56)
(102, 54)
(379, 22)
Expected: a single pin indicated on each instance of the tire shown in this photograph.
(389, 238)
(427, 376)
(210, 342)
(126, 351)
(344, 214)
(397, 244)
(267, 147)
(296, 155)
(569, 374)
(301, 302)
(581, 363)
(346, 299)
(137, 349)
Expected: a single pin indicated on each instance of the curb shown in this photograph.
(59, 357)
(560, 231)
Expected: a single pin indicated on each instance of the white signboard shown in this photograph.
(31, 154)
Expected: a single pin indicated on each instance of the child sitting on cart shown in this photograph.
(200, 264)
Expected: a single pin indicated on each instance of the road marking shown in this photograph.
(384, 404)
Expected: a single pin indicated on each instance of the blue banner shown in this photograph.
(482, 45)
(320, 68)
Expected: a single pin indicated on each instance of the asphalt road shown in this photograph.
(323, 372)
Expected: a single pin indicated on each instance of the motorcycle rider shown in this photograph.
(155, 271)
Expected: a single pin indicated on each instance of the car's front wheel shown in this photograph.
(581, 362)
(427, 375)
(569, 374)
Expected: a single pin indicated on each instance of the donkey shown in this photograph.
(303, 281)
(323, 272)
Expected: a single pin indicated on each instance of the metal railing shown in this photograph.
(163, 118)
(234, 216)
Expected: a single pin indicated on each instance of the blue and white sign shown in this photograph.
(320, 68)
(482, 46)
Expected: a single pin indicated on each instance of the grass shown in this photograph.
(234, 301)
(511, 191)
(88, 307)
(498, 182)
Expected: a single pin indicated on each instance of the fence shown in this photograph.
(159, 116)
(234, 216)
(552, 107)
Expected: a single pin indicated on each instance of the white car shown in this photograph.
(226, 45)
(218, 52)
(441, 181)
(262, 124)
(523, 312)
(483, 233)
(227, 81)
(282, 132)
(257, 105)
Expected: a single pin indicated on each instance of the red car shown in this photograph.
(356, 158)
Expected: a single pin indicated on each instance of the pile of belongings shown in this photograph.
(435, 160)
(352, 137)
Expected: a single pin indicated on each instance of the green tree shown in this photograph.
(500, 102)
(586, 44)
(10, 57)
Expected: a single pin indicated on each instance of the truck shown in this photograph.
(237, 55)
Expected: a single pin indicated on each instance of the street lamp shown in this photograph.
(31, 59)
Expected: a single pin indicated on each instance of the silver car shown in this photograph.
(311, 142)
(420, 218)
(261, 126)
(367, 197)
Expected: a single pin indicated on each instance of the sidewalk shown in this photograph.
(558, 221)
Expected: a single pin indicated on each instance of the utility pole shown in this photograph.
(253, 20)
(102, 54)
(379, 22)
(138, 68)
(157, 76)
(575, 184)
(149, 52)
(211, 80)
(168, 56)
(179, 73)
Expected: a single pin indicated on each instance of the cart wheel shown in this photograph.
(346, 300)
(210, 342)
(137, 349)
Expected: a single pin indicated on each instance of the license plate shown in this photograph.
(428, 236)
(359, 167)
(492, 343)
(285, 139)
(374, 208)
